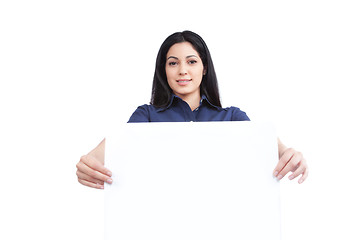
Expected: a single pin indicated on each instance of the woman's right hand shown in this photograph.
(91, 171)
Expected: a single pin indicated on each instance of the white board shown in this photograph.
(192, 181)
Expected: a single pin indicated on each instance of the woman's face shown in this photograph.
(184, 70)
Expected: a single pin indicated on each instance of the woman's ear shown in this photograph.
(204, 73)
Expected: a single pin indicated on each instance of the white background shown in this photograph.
(71, 69)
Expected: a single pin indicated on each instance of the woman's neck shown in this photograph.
(192, 100)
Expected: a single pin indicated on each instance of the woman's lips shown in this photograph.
(183, 82)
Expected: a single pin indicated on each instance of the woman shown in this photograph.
(184, 89)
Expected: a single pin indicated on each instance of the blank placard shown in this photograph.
(192, 181)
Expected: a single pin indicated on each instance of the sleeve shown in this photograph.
(238, 115)
(141, 114)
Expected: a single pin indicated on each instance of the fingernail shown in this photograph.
(276, 173)
(109, 174)
(109, 180)
(301, 181)
(291, 177)
(279, 177)
(101, 186)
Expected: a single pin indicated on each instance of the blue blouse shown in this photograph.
(179, 111)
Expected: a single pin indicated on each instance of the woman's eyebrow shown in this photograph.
(172, 57)
(178, 58)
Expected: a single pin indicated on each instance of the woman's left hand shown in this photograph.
(293, 161)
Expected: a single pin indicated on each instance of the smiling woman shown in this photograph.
(185, 86)
(184, 73)
(185, 89)
(184, 51)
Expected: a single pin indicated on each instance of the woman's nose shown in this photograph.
(183, 69)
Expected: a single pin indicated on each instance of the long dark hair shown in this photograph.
(161, 91)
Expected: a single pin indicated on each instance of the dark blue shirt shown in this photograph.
(179, 111)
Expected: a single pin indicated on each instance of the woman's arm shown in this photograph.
(90, 169)
(290, 160)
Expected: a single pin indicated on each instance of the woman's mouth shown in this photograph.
(183, 82)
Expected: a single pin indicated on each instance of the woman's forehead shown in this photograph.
(182, 49)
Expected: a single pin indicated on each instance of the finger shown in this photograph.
(85, 169)
(88, 178)
(95, 164)
(90, 184)
(300, 170)
(284, 159)
(291, 165)
(304, 176)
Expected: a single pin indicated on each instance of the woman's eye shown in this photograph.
(172, 63)
(192, 61)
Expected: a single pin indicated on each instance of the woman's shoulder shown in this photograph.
(237, 114)
(141, 114)
(147, 108)
(144, 112)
